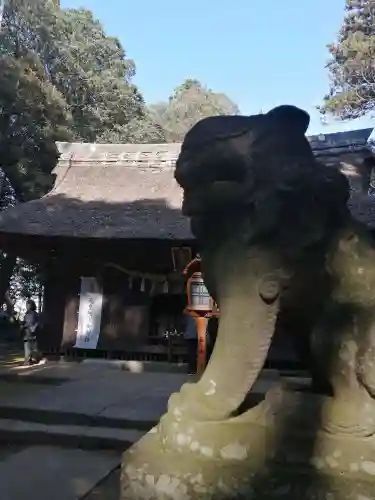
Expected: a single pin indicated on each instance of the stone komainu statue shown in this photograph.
(275, 235)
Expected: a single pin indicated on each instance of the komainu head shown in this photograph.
(260, 170)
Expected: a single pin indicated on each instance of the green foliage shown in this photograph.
(25, 281)
(87, 67)
(93, 73)
(7, 193)
(190, 103)
(33, 115)
(351, 67)
(141, 130)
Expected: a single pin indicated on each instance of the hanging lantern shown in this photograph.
(200, 306)
(199, 300)
(200, 303)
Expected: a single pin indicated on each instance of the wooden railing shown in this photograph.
(170, 351)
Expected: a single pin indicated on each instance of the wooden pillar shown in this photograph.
(71, 302)
(201, 324)
(53, 308)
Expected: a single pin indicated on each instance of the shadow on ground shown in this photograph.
(108, 489)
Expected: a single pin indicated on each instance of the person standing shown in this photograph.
(191, 338)
(30, 325)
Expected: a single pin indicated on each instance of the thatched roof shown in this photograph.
(107, 191)
(128, 191)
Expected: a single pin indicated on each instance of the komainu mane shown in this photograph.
(267, 214)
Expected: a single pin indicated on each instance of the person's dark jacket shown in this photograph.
(31, 321)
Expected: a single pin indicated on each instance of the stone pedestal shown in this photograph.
(276, 450)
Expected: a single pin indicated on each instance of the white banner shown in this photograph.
(89, 315)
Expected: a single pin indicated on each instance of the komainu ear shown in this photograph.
(291, 117)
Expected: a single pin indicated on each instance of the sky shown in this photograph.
(261, 54)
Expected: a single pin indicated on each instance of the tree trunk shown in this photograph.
(40, 295)
(6, 272)
(10, 307)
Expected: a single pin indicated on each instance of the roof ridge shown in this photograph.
(155, 155)
(168, 152)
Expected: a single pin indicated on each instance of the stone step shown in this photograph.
(47, 473)
(79, 436)
(56, 417)
(140, 415)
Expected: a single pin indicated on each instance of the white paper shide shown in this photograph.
(89, 315)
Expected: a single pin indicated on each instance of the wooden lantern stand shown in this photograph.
(201, 307)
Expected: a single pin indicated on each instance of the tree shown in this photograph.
(33, 115)
(98, 89)
(190, 103)
(7, 261)
(89, 68)
(141, 130)
(25, 281)
(352, 64)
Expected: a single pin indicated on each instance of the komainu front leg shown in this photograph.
(249, 301)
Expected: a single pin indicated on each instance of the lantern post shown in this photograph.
(200, 306)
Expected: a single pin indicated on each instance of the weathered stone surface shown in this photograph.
(275, 236)
(271, 452)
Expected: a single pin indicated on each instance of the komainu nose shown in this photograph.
(186, 173)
